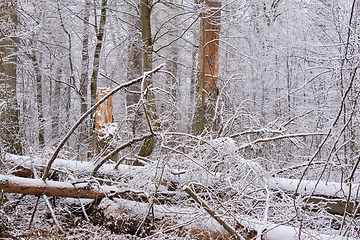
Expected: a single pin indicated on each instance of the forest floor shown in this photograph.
(17, 210)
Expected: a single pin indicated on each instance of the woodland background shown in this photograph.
(249, 106)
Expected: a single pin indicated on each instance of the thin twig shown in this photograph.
(212, 213)
(278, 138)
(83, 210)
(52, 213)
(33, 214)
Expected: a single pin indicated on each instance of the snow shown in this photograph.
(224, 145)
(79, 168)
(107, 130)
(280, 232)
(333, 189)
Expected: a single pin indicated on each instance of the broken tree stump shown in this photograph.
(105, 127)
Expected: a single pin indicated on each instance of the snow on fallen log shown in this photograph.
(84, 169)
(282, 232)
(13, 184)
(78, 168)
(126, 216)
(318, 188)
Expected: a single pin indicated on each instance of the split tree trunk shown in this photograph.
(104, 123)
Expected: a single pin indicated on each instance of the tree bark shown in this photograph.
(38, 187)
(207, 89)
(100, 33)
(39, 99)
(105, 129)
(134, 69)
(85, 132)
(151, 112)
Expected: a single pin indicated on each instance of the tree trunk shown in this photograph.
(85, 132)
(9, 112)
(39, 99)
(208, 66)
(100, 33)
(134, 69)
(145, 14)
(55, 106)
(38, 187)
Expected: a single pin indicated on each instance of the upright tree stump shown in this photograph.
(105, 128)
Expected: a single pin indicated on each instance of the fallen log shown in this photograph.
(175, 222)
(123, 215)
(317, 188)
(38, 187)
(84, 189)
(332, 196)
(22, 165)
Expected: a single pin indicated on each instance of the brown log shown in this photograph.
(38, 187)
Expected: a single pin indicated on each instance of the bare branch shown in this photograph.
(278, 138)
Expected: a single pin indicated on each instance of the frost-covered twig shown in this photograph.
(48, 205)
(218, 100)
(83, 210)
(256, 131)
(53, 213)
(260, 140)
(190, 158)
(212, 213)
(299, 166)
(262, 226)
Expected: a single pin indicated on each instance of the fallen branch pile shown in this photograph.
(122, 207)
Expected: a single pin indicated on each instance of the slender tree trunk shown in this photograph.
(84, 136)
(100, 34)
(55, 108)
(145, 17)
(9, 112)
(134, 69)
(39, 99)
(172, 63)
(84, 80)
(208, 66)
